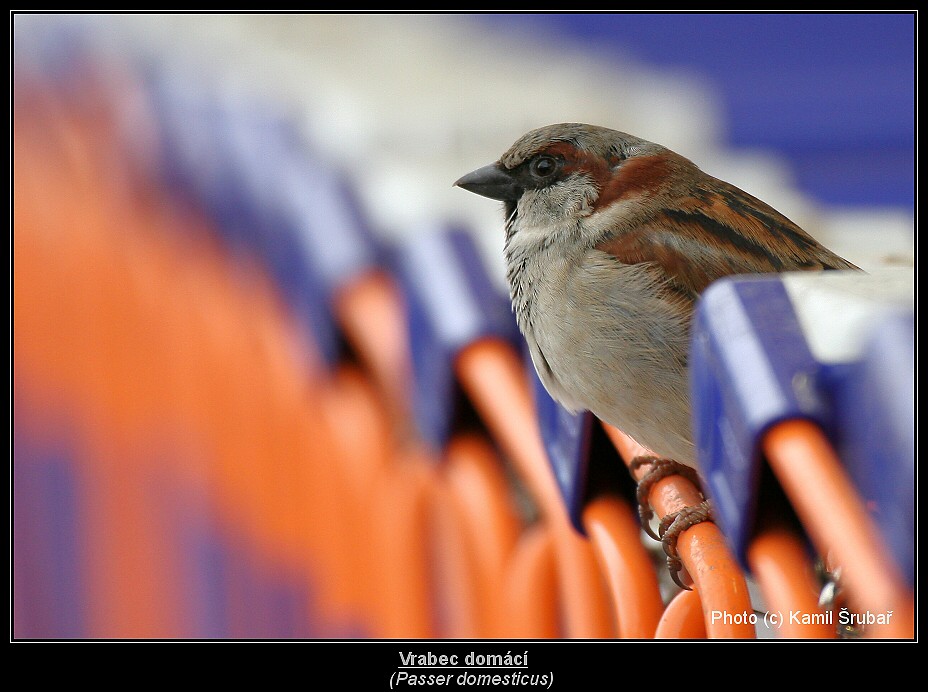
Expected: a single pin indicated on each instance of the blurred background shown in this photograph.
(814, 112)
(207, 209)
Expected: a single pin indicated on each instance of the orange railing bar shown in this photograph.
(829, 507)
(481, 495)
(352, 429)
(493, 376)
(370, 312)
(705, 555)
(401, 544)
(780, 563)
(625, 565)
(683, 618)
(530, 587)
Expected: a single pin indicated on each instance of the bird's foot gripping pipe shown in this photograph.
(673, 524)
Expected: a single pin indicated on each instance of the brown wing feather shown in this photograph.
(717, 230)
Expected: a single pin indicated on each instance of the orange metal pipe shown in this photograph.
(454, 579)
(702, 548)
(683, 618)
(94, 367)
(357, 450)
(530, 587)
(780, 564)
(471, 531)
(586, 612)
(830, 509)
(487, 516)
(493, 376)
(401, 540)
(723, 590)
(370, 311)
(625, 565)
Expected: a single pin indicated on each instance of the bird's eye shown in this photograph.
(543, 166)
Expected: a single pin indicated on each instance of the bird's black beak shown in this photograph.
(491, 181)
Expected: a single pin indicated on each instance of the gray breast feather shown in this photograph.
(605, 338)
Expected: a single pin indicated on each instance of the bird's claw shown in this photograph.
(674, 524)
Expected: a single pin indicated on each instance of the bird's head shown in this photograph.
(572, 174)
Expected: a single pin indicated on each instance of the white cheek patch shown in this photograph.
(563, 203)
(533, 221)
(616, 216)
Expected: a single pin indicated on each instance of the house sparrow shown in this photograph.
(610, 239)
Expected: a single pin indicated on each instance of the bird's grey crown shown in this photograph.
(593, 138)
